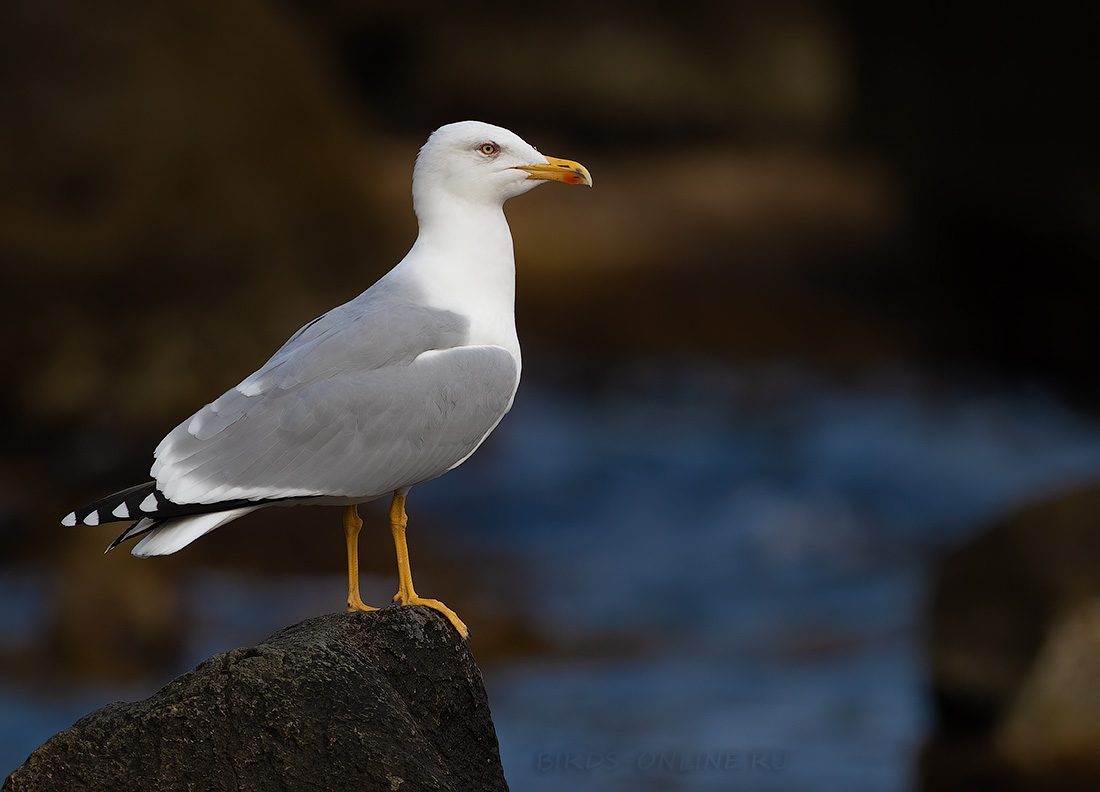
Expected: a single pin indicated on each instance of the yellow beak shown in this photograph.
(562, 170)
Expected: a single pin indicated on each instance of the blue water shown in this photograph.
(727, 567)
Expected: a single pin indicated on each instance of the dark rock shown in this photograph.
(1053, 723)
(1014, 626)
(360, 701)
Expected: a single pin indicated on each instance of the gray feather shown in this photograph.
(351, 406)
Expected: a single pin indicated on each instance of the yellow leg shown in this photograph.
(406, 595)
(352, 526)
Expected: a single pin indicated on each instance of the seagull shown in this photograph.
(394, 388)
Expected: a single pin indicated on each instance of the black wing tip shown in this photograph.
(130, 533)
(129, 505)
(106, 510)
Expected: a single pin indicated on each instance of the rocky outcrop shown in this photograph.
(1015, 633)
(1053, 722)
(361, 701)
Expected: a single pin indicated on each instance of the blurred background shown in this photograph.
(802, 466)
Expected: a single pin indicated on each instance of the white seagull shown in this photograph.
(395, 387)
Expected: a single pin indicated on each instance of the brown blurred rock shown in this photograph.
(1052, 726)
(172, 166)
(364, 701)
(1012, 653)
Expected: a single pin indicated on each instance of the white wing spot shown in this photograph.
(122, 510)
(92, 518)
(149, 504)
(69, 519)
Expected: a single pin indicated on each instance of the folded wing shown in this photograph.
(355, 433)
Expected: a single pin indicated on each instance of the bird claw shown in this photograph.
(436, 605)
(358, 605)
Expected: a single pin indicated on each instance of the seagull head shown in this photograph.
(480, 163)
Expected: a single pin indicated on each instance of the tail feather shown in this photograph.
(142, 526)
(168, 526)
(172, 535)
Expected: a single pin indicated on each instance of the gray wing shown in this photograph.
(381, 327)
(355, 405)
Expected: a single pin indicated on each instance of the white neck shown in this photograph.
(462, 261)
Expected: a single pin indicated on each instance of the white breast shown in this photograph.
(466, 266)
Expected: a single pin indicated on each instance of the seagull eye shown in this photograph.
(488, 149)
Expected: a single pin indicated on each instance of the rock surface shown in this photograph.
(363, 701)
(1014, 635)
(1053, 723)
